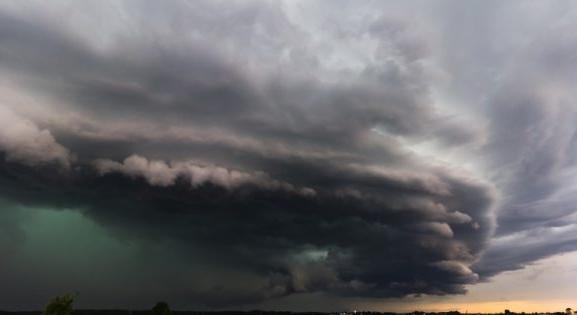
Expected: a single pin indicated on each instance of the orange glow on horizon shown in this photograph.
(490, 306)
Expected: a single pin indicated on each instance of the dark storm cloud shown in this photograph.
(286, 150)
(523, 88)
(293, 242)
(299, 182)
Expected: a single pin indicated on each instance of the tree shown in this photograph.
(161, 308)
(60, 305)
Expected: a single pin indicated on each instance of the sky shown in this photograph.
(289, 155)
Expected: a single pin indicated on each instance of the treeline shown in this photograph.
(150, 312)
(63, 305)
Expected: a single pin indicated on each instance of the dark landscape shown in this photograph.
(145, 312)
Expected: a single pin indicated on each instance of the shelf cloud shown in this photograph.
(295, 147)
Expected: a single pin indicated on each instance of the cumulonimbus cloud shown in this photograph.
(305, 158)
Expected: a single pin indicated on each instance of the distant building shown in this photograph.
(568, 311)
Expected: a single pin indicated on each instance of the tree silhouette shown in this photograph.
(60, 305)
(161, 308)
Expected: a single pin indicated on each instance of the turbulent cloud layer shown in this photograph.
(295, 147)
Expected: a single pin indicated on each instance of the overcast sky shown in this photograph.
(299, 155)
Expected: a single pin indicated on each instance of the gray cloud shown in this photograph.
(515, 77)
(284, 175)
(23, 141)
(301, 150)
(158, 173)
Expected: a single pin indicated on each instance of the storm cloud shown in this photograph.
(291, 147)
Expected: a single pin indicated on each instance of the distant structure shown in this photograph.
(568, 311)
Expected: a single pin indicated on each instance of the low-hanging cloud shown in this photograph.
(294, 157)
(23, 141)
(159, 173)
